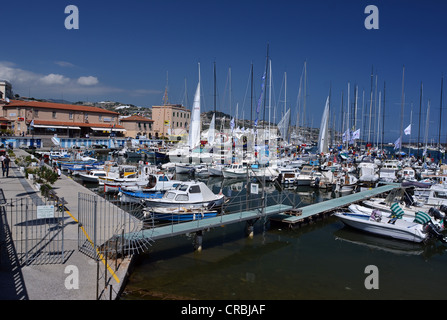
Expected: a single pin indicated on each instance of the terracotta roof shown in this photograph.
(137, 118)
(3, 119)
(60, 106)
(75, 124)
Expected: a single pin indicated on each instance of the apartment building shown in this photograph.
(45, 118)
(170, 119)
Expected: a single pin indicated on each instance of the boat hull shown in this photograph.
(402, 230)
(181, 216)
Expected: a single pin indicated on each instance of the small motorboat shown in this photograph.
(179, 214)
(92, 176)
(418, 230)
(189, 194)
(235, 171)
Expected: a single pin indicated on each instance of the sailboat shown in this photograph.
(193, 139)
(323, 139)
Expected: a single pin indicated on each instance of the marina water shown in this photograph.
(322, 260)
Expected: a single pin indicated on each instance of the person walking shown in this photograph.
(2, 157)
(5, 165)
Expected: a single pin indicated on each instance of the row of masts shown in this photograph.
(368, 118)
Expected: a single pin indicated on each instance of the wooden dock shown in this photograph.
(323, 208)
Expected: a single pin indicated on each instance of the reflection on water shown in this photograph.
(323, 260)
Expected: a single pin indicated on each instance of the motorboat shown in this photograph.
(407, 174)
(235, 171)
(388, 171)
(215, 170)
(184, 168)
(116, 172)
(418, 230)
(288, 176)
(189, 194)
(92, 176)
(135, 196)
(346, 183)
(324, 179)
(267, 173)
(157, 182)
(179, 214)
(433, 195)
(305, 176)
(139, 179)
(368, 172)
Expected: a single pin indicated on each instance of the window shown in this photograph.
(170, 195)
(183, 187)
(100, 117)
(194, 189)
(54, 114)
(70, 115)
(182, 197)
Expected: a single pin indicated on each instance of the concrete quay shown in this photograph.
(54, 281)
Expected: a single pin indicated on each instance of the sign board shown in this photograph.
(254, 188)
(45, 212)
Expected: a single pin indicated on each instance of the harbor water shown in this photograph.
(321, 260)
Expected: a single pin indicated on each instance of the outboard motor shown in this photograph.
(443, 208)
(433, 231)
(435, 213)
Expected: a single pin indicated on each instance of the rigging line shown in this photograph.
(246, 90)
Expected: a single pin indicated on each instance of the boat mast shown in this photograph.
(420, 114)
(440, 118)
(402, 109)
(383, 115)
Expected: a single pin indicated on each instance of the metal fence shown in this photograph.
(102, 224)
(37, 228)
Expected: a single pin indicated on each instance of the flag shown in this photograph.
(407, 130)
(397, 144)
(356, 134)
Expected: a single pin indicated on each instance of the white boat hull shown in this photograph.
(402, 229)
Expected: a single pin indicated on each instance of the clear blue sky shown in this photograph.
(124, 49)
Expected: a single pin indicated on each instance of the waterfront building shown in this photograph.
(5, 90)
(170, 119)
(137, 126)
(44, 118)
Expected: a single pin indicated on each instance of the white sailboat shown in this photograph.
(323, 139)
(194, 129)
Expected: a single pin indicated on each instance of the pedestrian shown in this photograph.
(5, 163)
(2, 157)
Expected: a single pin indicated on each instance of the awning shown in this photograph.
(101, 129)
(120, 130)
(75, 128)
(53, 127)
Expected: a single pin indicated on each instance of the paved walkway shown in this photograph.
(48, 281)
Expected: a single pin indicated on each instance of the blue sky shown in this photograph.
(123, 51)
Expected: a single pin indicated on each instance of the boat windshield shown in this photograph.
(183, 187)
(170, 195)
